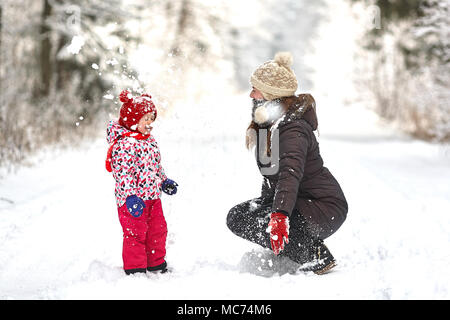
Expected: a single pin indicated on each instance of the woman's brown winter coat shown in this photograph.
(302, 183)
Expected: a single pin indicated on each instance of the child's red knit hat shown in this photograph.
(133, 110)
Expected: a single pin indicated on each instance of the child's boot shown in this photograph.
(134, 271)
(162, 268)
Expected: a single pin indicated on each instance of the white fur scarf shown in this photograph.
(266, 114)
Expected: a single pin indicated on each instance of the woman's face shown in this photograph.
(144, 125)
(256, 94)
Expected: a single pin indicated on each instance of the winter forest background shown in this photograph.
(64, 62)
(378, 69)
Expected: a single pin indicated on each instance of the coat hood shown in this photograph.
(303, 107)
(114, 131)
(271, 114)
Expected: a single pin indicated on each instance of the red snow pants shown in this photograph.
(144, 238)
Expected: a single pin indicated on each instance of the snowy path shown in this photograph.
(61, 239)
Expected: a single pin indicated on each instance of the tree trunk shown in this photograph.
(45, 52)
(181, 28)
(63, 68)
(1, 68)
(1, 25)
(1, 75)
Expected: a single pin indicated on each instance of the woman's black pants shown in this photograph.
(250, 219)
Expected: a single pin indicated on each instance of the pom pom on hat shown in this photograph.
(284, 59)
(125, 97)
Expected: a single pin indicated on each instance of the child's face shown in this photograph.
(145, 122)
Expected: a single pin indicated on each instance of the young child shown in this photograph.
(135, 162)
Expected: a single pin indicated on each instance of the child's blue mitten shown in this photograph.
(135, 205)
(169, 186)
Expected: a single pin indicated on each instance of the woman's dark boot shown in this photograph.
(322, 260)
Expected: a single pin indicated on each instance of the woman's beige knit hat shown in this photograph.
(275, 78)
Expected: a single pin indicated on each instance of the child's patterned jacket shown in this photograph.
(136, 165)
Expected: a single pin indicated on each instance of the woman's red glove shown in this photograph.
(279, 231)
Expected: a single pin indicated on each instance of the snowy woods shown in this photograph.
(63, 62)
(51, 52)
(406, 69)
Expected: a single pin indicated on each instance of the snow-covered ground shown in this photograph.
(60, 237)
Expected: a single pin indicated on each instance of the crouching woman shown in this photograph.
(301, 203)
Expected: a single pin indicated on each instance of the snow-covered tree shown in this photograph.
(271, 26)
(408, 66)
(432, 34)
(58, 58)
